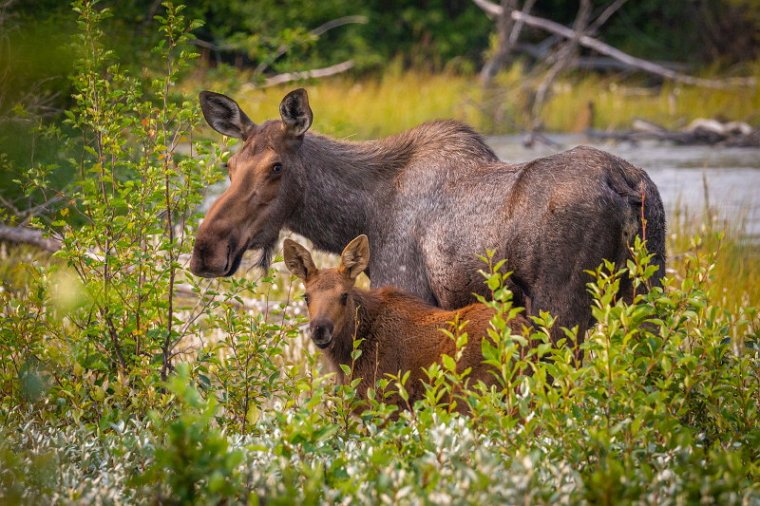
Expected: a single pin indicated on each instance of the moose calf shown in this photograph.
(400, 332)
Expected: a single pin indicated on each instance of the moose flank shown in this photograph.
(431, 200)
(399, 331)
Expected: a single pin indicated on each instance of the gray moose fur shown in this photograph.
(431, 200)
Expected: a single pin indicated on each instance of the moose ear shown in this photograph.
(296, 113)
(298, 260)
(224, 115)
(355, 257)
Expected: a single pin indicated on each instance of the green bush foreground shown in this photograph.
(124, 380)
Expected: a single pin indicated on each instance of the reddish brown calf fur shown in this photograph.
(401, 332)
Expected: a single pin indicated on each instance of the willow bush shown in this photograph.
(105, 318)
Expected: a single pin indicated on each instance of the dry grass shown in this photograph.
(371, 107)
(735, 277)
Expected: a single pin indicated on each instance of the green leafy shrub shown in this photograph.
(192, 463)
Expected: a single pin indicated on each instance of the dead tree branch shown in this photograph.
(564, 58)
(306, 74)
(699, 132)
(604, 16)
(508, 35)
(33, 237)
(504, 24)
(515, 35)
(605, 49)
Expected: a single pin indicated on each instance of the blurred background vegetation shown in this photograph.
(411, 62)
(430, 36)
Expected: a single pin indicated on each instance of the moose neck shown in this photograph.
(342, 184)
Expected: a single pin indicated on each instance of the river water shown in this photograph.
(690, 178)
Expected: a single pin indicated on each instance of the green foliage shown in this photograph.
(106, 317)
(663, 405)
(192, 462)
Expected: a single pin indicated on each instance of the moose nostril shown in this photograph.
(321, 330)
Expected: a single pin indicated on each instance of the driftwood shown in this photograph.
(699, 132)
(554, 55)
(605, 49)
(292, 76)
(504, 27)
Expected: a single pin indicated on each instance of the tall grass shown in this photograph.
(370, 107)
(735, 257)
(366, 108)
(617, 104)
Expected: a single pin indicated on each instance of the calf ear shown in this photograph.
(355, 257)
(224, 115)
(298, 260)
(296, 113)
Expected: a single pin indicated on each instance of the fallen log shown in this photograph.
(605, 49)
(709, 132)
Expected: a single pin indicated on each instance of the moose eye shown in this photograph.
(306, 298)
(344, 298)
(276, 168)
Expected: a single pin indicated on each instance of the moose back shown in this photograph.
(431, 200)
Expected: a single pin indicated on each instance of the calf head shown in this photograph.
(329, 292)
(263, 188)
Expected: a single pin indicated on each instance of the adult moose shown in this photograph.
(431, 200)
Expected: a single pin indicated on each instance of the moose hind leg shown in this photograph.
(570, 306)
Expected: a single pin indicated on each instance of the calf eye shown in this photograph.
(276, 168)
(344, 299)
(306, 298)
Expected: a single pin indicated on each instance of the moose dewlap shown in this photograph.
(400, 331)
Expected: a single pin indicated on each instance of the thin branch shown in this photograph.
(564, 57)
(307, 74)
(246, 304)
(504, 25)
(605, 15)
(28, 214)
(515, 35)
(489, 8)
(325, 27)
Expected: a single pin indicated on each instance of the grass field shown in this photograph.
(376, 106)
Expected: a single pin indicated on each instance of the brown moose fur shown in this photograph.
(400, 332)
(431, 200)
